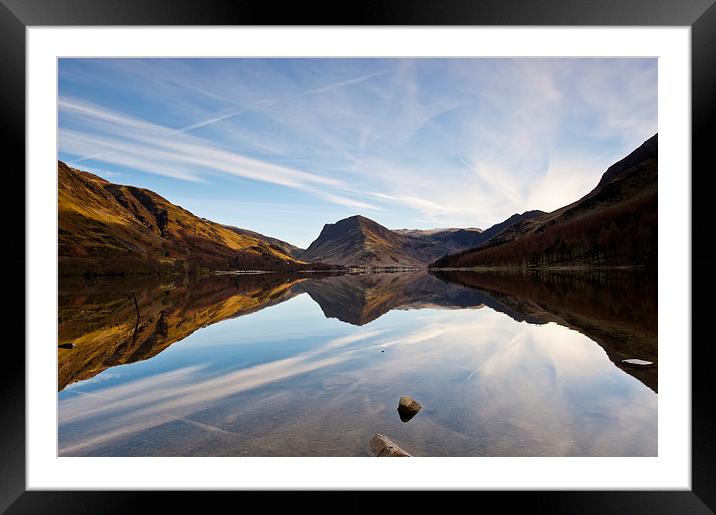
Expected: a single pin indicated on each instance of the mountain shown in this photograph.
(107, 228)
(454, 240)
(283, 246)
(358, 240)
(496, 229)
(613, 225)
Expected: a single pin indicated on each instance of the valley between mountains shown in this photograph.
(112, 229)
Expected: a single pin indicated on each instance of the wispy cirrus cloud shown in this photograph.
(347, 82)
(135, 143)
(204, 123)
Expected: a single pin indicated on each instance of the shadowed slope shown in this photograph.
(359, 241)
(614, 225)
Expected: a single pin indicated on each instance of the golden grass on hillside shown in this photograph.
(108, 228)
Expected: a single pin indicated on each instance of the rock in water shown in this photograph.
(384, 447)
(638, 363)
(408, 408)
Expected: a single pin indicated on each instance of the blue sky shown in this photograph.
(283, 146)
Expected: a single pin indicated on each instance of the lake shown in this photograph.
(313, 364)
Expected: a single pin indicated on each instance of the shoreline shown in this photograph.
(242, 272)
(349, 270)
(356, 270)
(564, 268)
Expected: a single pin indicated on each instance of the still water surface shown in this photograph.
(314, 365)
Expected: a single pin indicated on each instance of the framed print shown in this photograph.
(276, 249)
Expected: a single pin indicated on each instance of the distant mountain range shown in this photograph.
(613, 225)
(454, 240)
(106, 228)
(359, 241)
(430, 232)
(451, 239)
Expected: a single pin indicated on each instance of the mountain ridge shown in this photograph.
(283, 246)
(360, 241)
(113, 229)
(456, 239)
(615, 224)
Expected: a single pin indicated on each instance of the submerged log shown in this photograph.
(384, 447)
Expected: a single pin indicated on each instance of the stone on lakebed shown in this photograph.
(408, 408)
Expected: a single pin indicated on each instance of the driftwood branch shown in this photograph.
(136, 325)
(136, 305)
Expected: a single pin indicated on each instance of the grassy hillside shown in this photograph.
(283, 246)
(107, 229)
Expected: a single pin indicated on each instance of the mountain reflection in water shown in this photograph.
(489, 382)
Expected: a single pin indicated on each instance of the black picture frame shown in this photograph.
(700, 15)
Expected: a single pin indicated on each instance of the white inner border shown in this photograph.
(671, 469)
